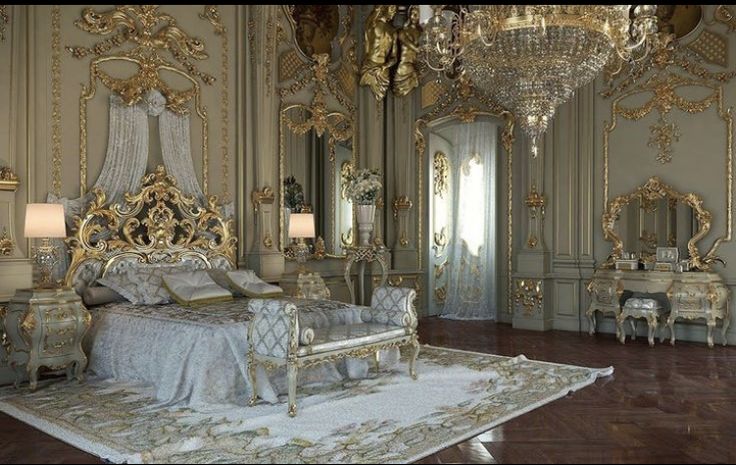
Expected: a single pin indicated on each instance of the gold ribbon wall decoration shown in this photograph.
(151, 32)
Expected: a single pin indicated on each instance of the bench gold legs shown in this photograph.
(413, 360)
(291, 374)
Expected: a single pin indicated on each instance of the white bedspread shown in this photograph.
(196, 356)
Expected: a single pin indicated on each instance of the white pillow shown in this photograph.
(249, 284)
(140, 287)
(195, 287)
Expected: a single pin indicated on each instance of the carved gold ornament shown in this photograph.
(725, 15)
(441, 165)
(652, 191)
(158, 224)
(529, 295)
(401, 203)
(6, 244)
(663, 134)
(8, 180)
(4, 21)
(380, 39)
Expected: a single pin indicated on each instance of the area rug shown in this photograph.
(387, 418)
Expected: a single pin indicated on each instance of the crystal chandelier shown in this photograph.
(532, 58)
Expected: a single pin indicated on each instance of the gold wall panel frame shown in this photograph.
(464, 105)
(664, 100)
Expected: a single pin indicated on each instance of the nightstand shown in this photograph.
(44, 328)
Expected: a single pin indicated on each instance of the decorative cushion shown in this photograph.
(140, 287)
(195, 287)
(249, 284)
(100, 295)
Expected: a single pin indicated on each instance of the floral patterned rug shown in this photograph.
(385, 418)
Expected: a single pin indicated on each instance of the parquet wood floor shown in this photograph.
(662, 405)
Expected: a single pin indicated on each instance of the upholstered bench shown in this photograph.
(278, 335)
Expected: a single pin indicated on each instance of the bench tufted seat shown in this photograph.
(279, 335)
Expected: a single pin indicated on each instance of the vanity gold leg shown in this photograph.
(632, 322)
(620, 329)
(652, 326)
(377, 360)
(726, 322)
(711, 325)
(671, 324)
(591, 322)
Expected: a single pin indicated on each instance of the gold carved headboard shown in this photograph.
(157, 225)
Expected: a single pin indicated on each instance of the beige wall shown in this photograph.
(573, 161)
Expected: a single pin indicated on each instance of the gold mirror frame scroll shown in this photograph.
(466, 113)
(654, 190)
(339, 128)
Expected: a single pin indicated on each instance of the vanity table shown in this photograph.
(690, 295)
(657, 217)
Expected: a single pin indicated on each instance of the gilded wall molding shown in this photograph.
(535, 203)
(211, 13)
(401, 206)
(263, 201)
(56, 155)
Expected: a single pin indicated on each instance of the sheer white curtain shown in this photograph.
(471, 290)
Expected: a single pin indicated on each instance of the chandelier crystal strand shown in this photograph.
(532, 58)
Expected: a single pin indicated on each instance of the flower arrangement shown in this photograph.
(363, 186)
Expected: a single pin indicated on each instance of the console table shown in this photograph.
(691, 296)
(363, 255)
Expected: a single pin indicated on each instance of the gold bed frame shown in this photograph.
(159, 224)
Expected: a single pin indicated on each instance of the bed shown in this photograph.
(191, 356)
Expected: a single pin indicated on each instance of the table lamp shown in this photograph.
(45, 221)
(301, 226)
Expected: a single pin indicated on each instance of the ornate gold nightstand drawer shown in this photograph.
(58, 313)
(58, 339)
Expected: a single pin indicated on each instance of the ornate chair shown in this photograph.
(279, 335)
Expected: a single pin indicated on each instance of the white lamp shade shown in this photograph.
(45, 220)
(301, 225)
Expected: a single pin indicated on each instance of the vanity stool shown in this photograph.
(648, 309)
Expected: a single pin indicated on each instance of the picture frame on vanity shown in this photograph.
(668, 254)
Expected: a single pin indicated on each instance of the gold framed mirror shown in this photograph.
(315, 154)
(655, 215)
